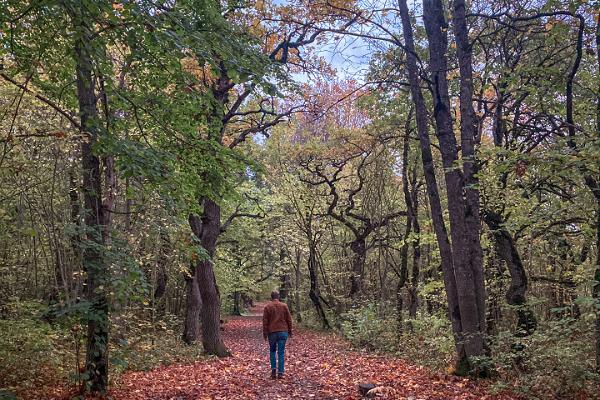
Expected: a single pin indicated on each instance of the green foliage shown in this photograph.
(26, 341)
(426, 340)
(555, 361)
(140, 345)
(364, 328)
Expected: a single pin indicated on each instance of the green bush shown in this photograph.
(427, 340)
(37, 354)
(364, 328)
(141, 345)
(556, 361)
(30, 348)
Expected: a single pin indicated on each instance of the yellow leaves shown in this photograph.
(203, 73)
(117, 6)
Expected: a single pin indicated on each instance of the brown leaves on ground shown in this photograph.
(318, 366)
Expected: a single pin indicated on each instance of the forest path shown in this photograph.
(318, 366)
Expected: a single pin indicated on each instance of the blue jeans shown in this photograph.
(277, 344)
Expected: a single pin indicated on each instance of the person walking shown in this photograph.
(277, 328)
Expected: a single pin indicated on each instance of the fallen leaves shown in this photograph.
(318, 366)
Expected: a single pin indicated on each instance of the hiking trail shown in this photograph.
(318, 366)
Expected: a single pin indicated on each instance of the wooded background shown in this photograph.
(164, 163)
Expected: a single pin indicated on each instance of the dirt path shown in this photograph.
(318, 366)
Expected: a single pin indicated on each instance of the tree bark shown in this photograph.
(94, 265)
(416, 244)
(74, 284)
(314, 293)
(285, 289)
(359, 250)
(209, 291)
(596, 283)
(237, 299)
(441, 233)
(161, 276)
(298, 305)
(508, 252)
(466, 257)
(468, 138)
(191, 324)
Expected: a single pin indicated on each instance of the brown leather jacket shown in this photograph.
(277, 318)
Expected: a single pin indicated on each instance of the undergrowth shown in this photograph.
(555, 362)
(37, 353)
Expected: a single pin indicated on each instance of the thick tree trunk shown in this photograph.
(209, 291)
(441, 233)
(468, 133)
(93, 262)
(468, 122)
(466, 251)
(193, 307)
(359, 253)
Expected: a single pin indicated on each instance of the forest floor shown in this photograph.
(318, 366)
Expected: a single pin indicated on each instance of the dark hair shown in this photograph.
(274, 295)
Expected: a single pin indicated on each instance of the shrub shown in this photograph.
(362, 327)
(556, 361)
(31, 349)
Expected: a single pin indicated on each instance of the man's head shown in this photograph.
(274, 295)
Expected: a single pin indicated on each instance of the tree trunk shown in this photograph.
(441, 233)
(237, 299)
(314, 293)
(191, 324)
(74, 284)
(508, 252)
(468, 138)
(94, 265)
(412, 225)
(284, 290)
(162, 277)
(399, 309)
(298, 305)
(209, 291)
(416, 244)
(468, 269)
(359, 250)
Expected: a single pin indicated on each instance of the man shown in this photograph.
(277, 327)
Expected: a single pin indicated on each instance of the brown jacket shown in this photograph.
(277, 318)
